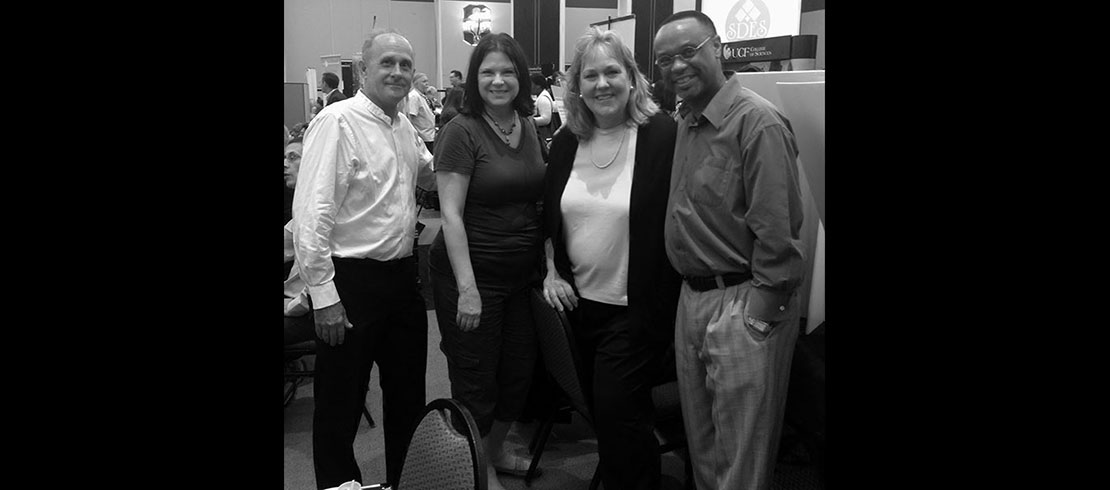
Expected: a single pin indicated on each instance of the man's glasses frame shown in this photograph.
(686, 54)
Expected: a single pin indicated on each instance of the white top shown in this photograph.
(355, 194)
(421, 115)
(544, 106)
(558, 103)
(595, 214)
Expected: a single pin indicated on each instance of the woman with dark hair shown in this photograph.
(486, 257)
(605, 205)
(452, 104)
(544, 115)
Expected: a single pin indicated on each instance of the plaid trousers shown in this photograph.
(733, 381)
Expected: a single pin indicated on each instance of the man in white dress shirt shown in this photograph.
(419, 112)
(354, 215)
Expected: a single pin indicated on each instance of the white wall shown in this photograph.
(315, 28)
(813, 22)
(454, 51)
(680, 5)
(578, 20)
(416, 20)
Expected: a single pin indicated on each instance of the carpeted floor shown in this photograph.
(568, 461)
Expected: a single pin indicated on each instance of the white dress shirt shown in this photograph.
(421, 115)
(355, 194)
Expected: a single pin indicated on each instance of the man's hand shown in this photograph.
(470, 309)
(558, 292)
(332, 324)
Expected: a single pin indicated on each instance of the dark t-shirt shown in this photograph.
(501, 215)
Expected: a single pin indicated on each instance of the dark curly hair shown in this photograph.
(298, 131)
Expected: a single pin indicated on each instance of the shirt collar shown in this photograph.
(374, 109)
(719, 106)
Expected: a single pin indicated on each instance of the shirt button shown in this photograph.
(782, 308)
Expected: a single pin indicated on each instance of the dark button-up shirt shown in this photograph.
(735, 204)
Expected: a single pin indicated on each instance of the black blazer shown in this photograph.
(653, 284)
(335, 97)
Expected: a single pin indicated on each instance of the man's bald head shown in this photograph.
(386, 69)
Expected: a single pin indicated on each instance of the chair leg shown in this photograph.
(596, 480)
(290, 392)
(689, 473)
(369, 419)
(539, 442)
(544, 428)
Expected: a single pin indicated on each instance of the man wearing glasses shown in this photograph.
(733, 219)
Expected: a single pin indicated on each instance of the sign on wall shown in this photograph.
(743, 20)
(775, 48)
(454, 48)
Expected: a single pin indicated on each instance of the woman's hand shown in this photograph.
(558, 292)
(470, 309)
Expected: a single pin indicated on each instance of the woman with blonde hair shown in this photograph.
(605, 201)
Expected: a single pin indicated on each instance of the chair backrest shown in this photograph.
(560, 353)
(445, 451)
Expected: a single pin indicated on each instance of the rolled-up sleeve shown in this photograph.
(775, 218)
(321, 188)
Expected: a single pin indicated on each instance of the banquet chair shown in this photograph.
(445, 451)
(296, 370)
(564, 364)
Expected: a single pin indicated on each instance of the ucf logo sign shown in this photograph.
(748, 19)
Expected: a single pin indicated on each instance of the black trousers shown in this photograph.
(384, 304)
(620, 366)
(490, 367)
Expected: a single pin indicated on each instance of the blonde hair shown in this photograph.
(580, 120)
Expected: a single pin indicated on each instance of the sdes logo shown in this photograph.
(748, 19)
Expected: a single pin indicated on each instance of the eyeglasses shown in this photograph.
(666, 61)
(292, 156)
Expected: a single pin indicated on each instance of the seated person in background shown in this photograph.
(293, 150)
(299, 324)
(605, 203)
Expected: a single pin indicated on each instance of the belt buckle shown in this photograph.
(720, 281)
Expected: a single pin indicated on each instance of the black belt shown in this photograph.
(367, 262)
(707, 283)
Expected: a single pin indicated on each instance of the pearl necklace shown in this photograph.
(504, 133)
(593, 145)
